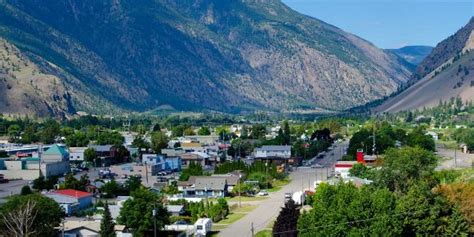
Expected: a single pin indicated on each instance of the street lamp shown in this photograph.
(266, 175)
(240, 198)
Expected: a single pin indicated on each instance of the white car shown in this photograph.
(262, 193)
(317, 166)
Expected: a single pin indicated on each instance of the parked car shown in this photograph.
(262, 193)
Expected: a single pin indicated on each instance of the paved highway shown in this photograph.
(268, 209)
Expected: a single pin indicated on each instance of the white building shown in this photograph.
(273, 152)
(76, 153)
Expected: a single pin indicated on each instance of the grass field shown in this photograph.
(264, 233)
(277, 184)
(235, 214)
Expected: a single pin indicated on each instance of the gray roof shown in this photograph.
(274, 148)
(101, 148)
(175, 208)
(210, 183)
(231, 179)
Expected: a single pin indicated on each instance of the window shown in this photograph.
(199, 227)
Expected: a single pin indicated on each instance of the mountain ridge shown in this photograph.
(202, 54)
(451, 78)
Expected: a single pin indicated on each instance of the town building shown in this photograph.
(71, 200)
(273, 152)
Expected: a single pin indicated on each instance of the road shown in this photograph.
(454, 159)
(268, 209)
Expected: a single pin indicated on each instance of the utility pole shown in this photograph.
(252, 230)
(455, 161)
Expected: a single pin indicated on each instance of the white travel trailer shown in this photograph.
(202, 226)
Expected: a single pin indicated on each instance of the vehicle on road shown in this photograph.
(2, 179)
(202, 227)
(317, 166)
(262, 193)
(298, 197)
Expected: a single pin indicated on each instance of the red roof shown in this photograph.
(343, 165)
(73, 193)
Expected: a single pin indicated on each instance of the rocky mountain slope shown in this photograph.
(230, 56)
(444, 51)
(413, 54)
(452, 78)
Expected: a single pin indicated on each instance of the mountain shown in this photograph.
(232, 56)
(413, 54)
(453, 77)
(444, 51)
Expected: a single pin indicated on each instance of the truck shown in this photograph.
(298, 198)
(202, 227)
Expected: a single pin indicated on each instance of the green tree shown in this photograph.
(189, 132)
(159, 141)
(107, 224)
(194, 169)
(45, 216)
(49, 131)
(405, 165)
(133, 183)
(204, 131)
(361, 171)
(418, 138)
(136, 212)
(29, 134)
(25, 190)
(286, 222)
(14, 132)
(286, 133)
(90, 155)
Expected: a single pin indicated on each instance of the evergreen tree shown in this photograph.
(286, 133)
(287, 220)
(25, 190)
(107, 225)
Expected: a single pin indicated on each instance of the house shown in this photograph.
(433, 135)
(205, 140)
(55, 154)
(196, 157)
(204, 186)
(210, 187)
(175, 210)
(273, 152)
(88, 228)
(164, 163)
(76, 153)
(172, 151)
(191, 146)
(104, 150)
(71, 200)
(231, 179)
(130, 169)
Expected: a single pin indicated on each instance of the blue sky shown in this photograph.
(391, 23)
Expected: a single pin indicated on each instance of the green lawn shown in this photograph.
(236, 213)
(277, 184)
(264, 233)
(231, 218)
(449, 144)
(245, 199)
(243, 208)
